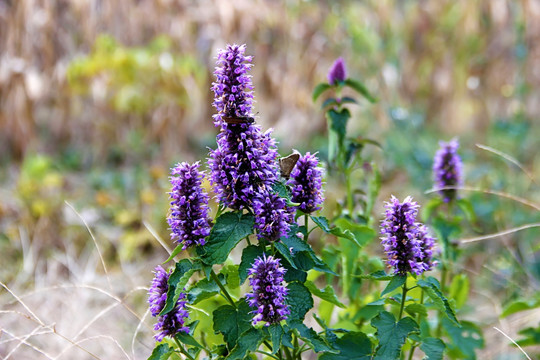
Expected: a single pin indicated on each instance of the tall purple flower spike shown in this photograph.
(272, 216)
(188, 219)
(173, 322)
(269, 294)
(337, 72)
(407, 243)
(448, 169)
(245, 161)
(306, 184)
(233, 89)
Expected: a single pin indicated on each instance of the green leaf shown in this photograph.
(232, 322)
(459, 289)
(430, 207)
(281, 189)
(319, 89)
(392, 335)
(161, 352)
(532, 336)
(316, 342)
(322, 223)
(231, 274)
(466, 206)
(327, 294)
(396, 282)
(433, 348)
(276, 333)
(329, 102)
(299, 300)
(361, 89)
(287, 253)
(202, 290)
(353, 345)
(363, 234)
(338, 123)
(248, 341)
(177, 250)
(188, 340)
(433, 290)
(177, 280)
(303, 257)
(465, 339)
(348, 233)
(520, 305)
(414, 309)
(229, 230)
(249, 254)
(380, 275)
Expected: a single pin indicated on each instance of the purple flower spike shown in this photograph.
(337, 72)
(268, 296)
(448, 169)
(233, 95)
(272, 216)
(171, 323)
(406, 242)
(188, 219)
(306, 184)
(244, 164)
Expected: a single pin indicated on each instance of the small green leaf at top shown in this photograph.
(392, 334)
(299, 300)
(433, 348)
(361, 89)
(319, 89)
(397, 281)
(327, 294)
(161, 352)
(230, 228)
(432, 288)
(353, 345)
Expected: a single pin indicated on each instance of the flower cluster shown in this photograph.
(306, 184)
(448, 169)
(272, 216)
(233, 96)
(268, 296)
(188, 219)
(337, 72)
(406, 242)
(171, 323)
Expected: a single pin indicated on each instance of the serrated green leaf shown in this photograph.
(338, 123)
(310, 336)
(433, 348)
(396, 282)
(177, 280)
(249, 254)
(230, 228)
(188, 340)
(248, 341)
(287, 253)
(276, 333)
(303, 257)
(177, 250)
(319, 89)
(363, 234)
(161, 352)
(520, 305)
(465, 339)
(232, 322)
(321, 222)
(391, 335)
(202, 290)
(299, 300)
(432, 289)
(231, 275)
(281, 190)
(327, 294)
(353, 345)
(361, 89)
(414, 309)
(292, 274)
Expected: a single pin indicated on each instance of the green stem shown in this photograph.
(223, 290)
(350, 205)
(288, 353)
(403, 299)
(412, 352)
(267, 354)
(181, 348)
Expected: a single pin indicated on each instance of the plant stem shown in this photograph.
(306, 218)
(287, 353)
(267, 354)
(223, 290)
(403, 299)
(350, 205)
(411, 352)
(181, 348)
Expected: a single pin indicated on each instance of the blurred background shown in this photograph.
(98, 99)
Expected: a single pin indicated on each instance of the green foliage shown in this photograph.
(352, 345)
(465, 339)
(161, 352)
(396, 282)
(433, 348)
(299, 300)
(177, 280)
(433, 289)
(392, 334)
(229, 229)
(232, 322)
(326, 294)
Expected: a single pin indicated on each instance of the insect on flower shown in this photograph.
(286, 164)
